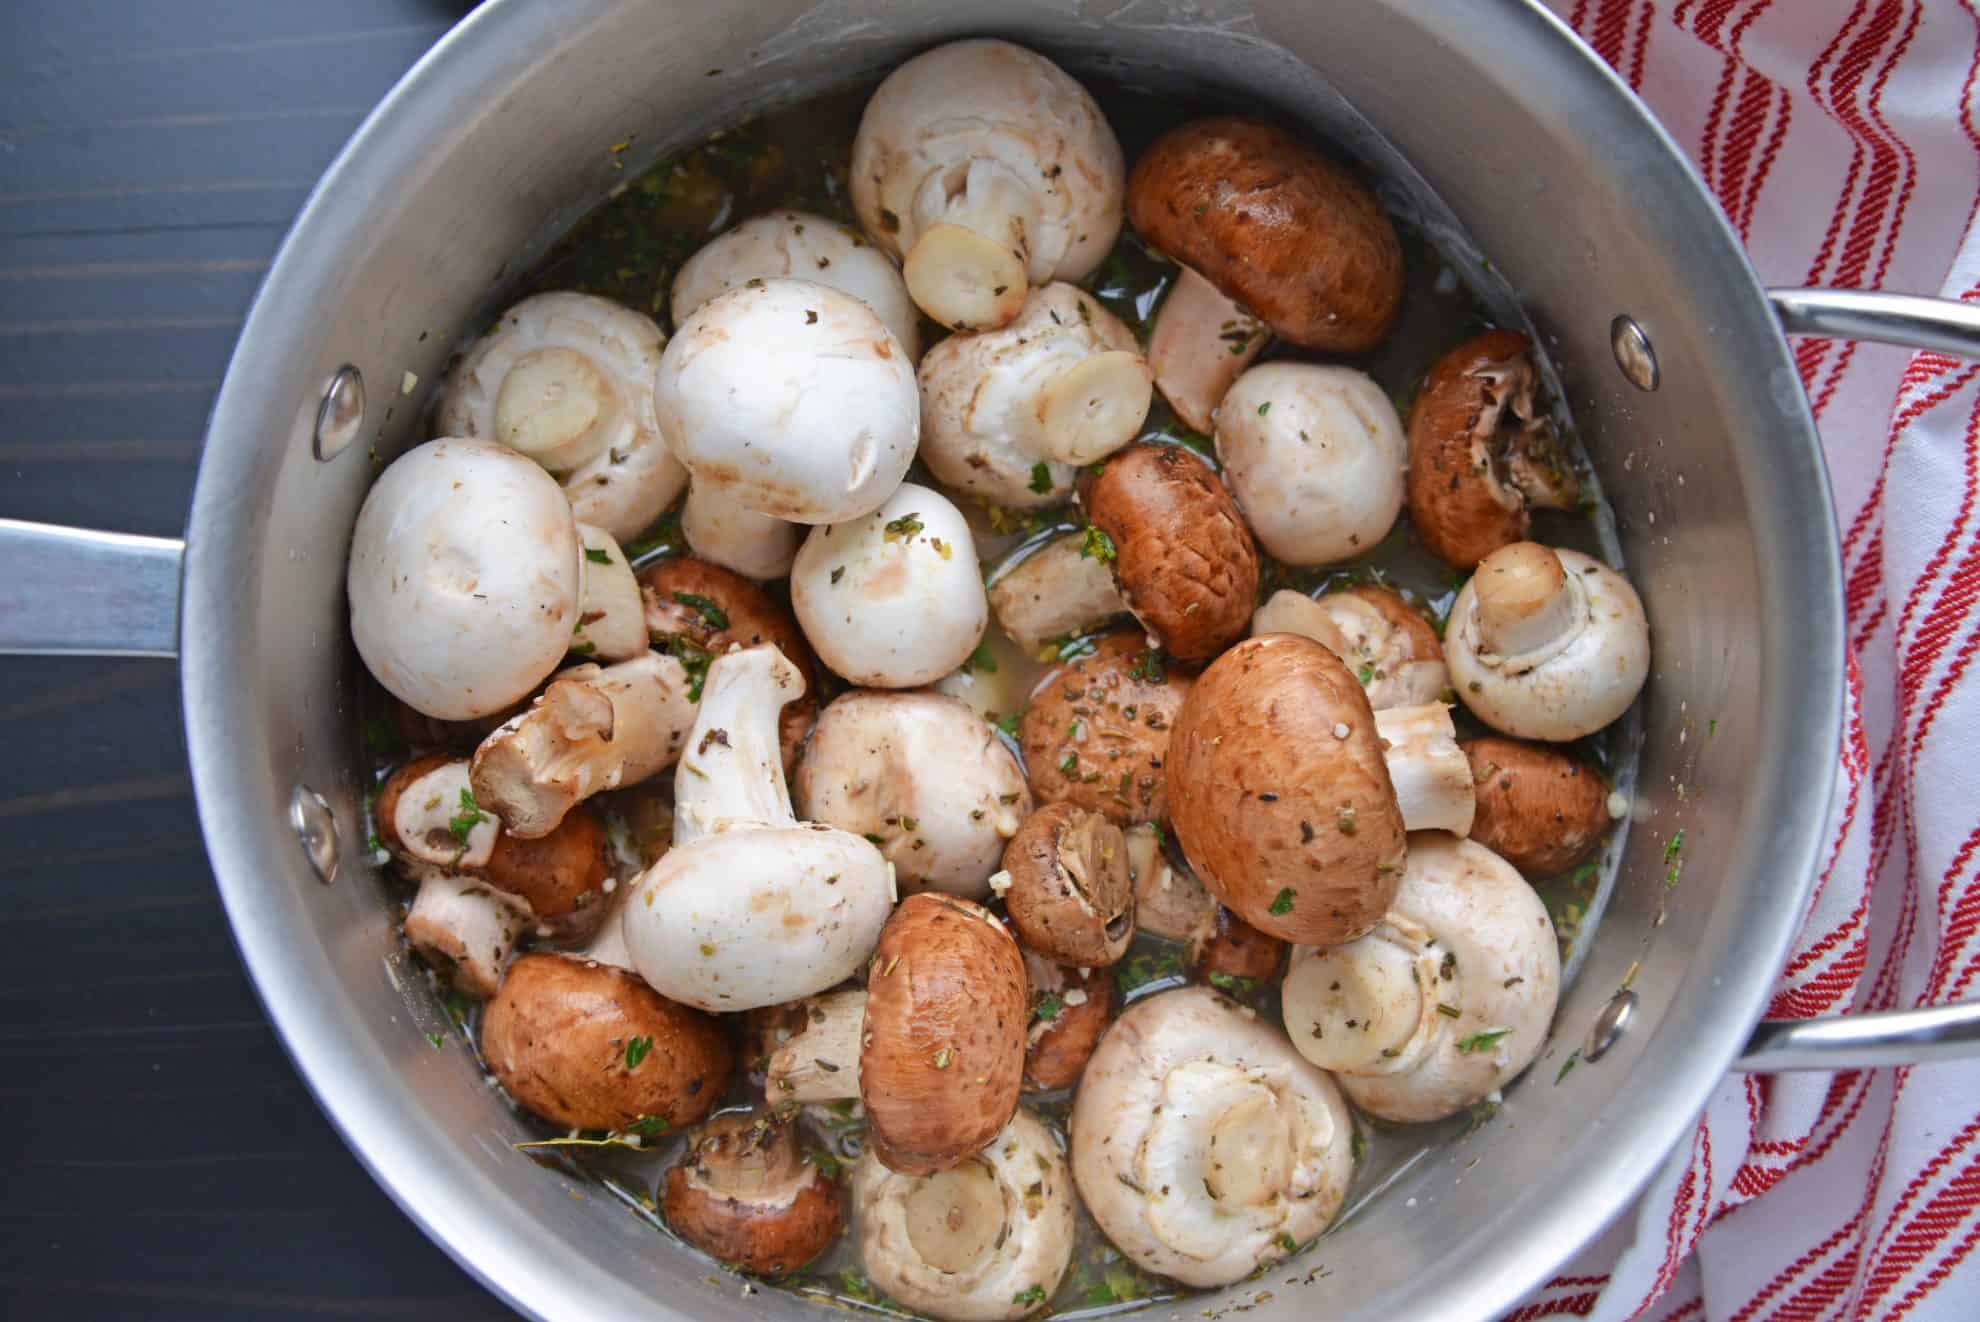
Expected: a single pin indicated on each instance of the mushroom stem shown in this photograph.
(1357, 1006)
(1434, 785)
(1525, 601)
(1054, 592)
(1093, 407)
(466, 929)
(732, 770)
(1201, 343)
(721, 528)
(1287, 611)
(550, 406)
(820, 1062)
(967, 269)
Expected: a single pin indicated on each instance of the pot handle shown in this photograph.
(1863, 1041)
(75, 593)
(1939, 324)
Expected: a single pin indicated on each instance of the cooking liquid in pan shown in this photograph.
(628, 250)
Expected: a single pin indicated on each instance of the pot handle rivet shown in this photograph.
(340, 414)
(1634, 353)
(316, 829)
(1609, 1025)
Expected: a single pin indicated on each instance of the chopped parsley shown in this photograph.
(1096, 545)
(827, 1164)
(1041, 477)
(637, 1050)
(1574, 1058)
(1282, 903)
(1027, 1297)
(1069, 763)
(1366, 673)
(1288, 1243)
(1007, 724)
(1047, 1007)
(1264, 408)
(1148, 667)
(981, 660)
(463, 822)
(650, 1126)
(902, 529)
(597, 556)
(1150, 966)
(694, 659)
(1232, 985)
(1482, 1041)
(874, 839)
(436, 1039)
(711, 614)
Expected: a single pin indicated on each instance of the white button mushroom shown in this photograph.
(567, 379)
(1202, 1143)
(1448, 998)
(1547, 644)
(1054, 591)
(787, 401)
(925, 776)
(802, 246)
(750, 907)
(1388, 643)
(1431, 775)
(464, 578)
(984, 1241)
(465, 928)
(894, 599)
(611, 615)
(1315, 456)
(987, 169)
(1009, 416)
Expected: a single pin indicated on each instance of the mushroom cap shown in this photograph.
(1070, 1010)
(1569, 686)
(1275, 226)
(1281, 799)
(923, 773)
(943, 1046)
(559, 1034)
(1098, 717)
(977, 1243)
(1315, 457)
(567, 379)
(1390, 639)
(1168, 900)
(1202, 1143)
(801, 246)
(1070, 898)
(1233, 956)
(464, 578)
(990, 116)
(793, 399)
(894, 599)
(1183, 557)
(427, 816)
(743, 1194)
(1541, 809)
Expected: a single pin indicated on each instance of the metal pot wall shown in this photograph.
(1488, 111)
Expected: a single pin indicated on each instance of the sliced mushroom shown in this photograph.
(1202, 1143)
(1547, 644)
(567, 379)
(1433, 783)
(1168, 901)
(1070, 898)
(894, 599)
(751, 907)
(1181, 553)
(1280, 797)
(1315, 456)
(1273, 238)
(1233, 956)
(611, 624)
(464, 578)
(819, 1060)
(1057, 590)
(743, 1194)
(922, 776)
(943, 1044)
(1446, 1001)
(1010, 415)
(986, 169)
(1541, 809)
(1096, 732)
(592, 729)
(466, 930)
(1070, 1009)
(1482, 451)
(591, 1047)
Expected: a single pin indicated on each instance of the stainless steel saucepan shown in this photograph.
(1485, 112)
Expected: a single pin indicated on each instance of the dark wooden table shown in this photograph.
(161, 1159)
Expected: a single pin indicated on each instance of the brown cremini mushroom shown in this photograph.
(1482, 451)
(1070, 898)
(1273, 238)
(1281, 798)
(943, 1044)
(1182, 555)
(1541, 809)
(745, 1195)
(1233, 956)
(1096, 732)
(1070, 1009)
(591, 1047)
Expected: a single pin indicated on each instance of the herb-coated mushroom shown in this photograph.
(1280, 797)
(818, 1061)
(586, 1046)
(1070, 898)
(1546, 644)
(1434, 789)
(943, 1044)
(985, 1241)
(1445, 1001)
(1179, 548)
(787, 401)
(921, 775)
(1202, 1143)
(743, 1194)
(1482, 451)
(1168, 901)
(1390, 646)
(1273, 239)
(1070, 1009)
(1054, 591)
(464, 578)
(1010, 415)
(611, 624)
(893, 599)
(1315, 456)
(802, 246)
(1232, 955)
(986, 169)
(1541, 809)
(1096, 731)
(567, 379)
(751, 907)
